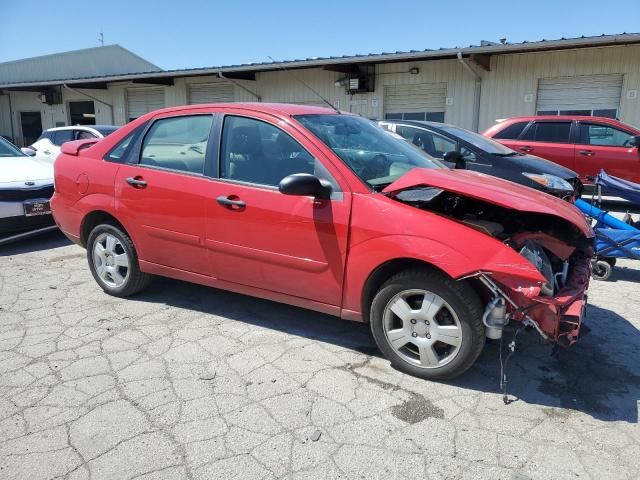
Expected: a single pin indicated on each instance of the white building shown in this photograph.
(470, 87)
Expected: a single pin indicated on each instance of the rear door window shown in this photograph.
(177, 143)
(511, 132)
(551, 132)
(603, 135)
(62, 136)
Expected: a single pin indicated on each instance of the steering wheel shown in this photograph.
(377, 166)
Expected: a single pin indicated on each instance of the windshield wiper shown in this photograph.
(380, 186)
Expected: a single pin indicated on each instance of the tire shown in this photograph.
(113, 261)
(443, 340)
(601, 270)
(610, 260)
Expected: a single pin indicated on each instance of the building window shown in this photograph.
(421, 116)
(606, 112)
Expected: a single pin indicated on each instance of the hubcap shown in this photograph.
(422, 328)
(110, 260)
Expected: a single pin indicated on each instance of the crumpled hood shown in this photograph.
(24, 169)
(492, 190)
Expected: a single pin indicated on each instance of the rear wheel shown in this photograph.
(113, 261)
(601, 270)
(427, 324)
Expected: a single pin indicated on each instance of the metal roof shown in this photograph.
(87, 63)
(486, 48)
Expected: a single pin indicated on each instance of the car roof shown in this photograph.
(287, 109)
(560, 118)
(420, 123)
(79, 127)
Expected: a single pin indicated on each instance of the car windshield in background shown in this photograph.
(375, 156)
(8, 150)
(105, 130)
(483, 143)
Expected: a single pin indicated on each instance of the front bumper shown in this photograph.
(558, 317)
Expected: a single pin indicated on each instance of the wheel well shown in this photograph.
(96, 218)
(387, 270)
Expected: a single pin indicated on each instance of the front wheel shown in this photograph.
(427, 324)
(114, 262)
(601, 269)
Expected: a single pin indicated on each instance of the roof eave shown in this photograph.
(502, 49)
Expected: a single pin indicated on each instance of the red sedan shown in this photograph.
(327, 211)
(585, 145)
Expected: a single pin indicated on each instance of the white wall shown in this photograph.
(511, 80)
(512, 77)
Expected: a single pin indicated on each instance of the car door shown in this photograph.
(162, 194)
(259, 237)
(604, 147)
(550, 139)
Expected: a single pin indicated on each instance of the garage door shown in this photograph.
(584, 95)
(210, 92)
(143, 100)
(423, 101)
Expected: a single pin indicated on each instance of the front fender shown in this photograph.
(479, 253)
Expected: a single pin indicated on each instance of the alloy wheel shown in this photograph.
(422, 328)
(110, 260)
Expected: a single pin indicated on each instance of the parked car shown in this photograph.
(26, 185)
(47, 147)
(326, 211)
(460, 148)
(584, 144)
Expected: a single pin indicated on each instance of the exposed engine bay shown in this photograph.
(556, 247)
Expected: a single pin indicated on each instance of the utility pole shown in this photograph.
(101, 38)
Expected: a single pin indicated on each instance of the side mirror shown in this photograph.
(28, 151)
(305, 185)
(455, 159)
(634, 141)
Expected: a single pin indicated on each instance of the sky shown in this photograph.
(198, 33)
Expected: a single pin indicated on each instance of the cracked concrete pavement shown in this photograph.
(184, 381)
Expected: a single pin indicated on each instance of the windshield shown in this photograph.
(375, 156)
(8, 150)
(483, 143)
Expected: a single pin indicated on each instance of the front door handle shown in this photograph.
(526, 149)
(228, 202)
(587, 153)
(136, 182)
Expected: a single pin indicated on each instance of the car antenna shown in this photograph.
(306, 85)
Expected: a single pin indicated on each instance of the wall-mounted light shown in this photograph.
(414, 71)
(341, 82)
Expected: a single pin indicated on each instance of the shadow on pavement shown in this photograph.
(45, 241)
(596, 376)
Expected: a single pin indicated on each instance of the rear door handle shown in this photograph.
(587, 153)
(526, 149)
(136, 182)
(230, 203)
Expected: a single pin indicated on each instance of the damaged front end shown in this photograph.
(557, 241)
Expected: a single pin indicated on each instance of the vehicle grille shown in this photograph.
(21, 194)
